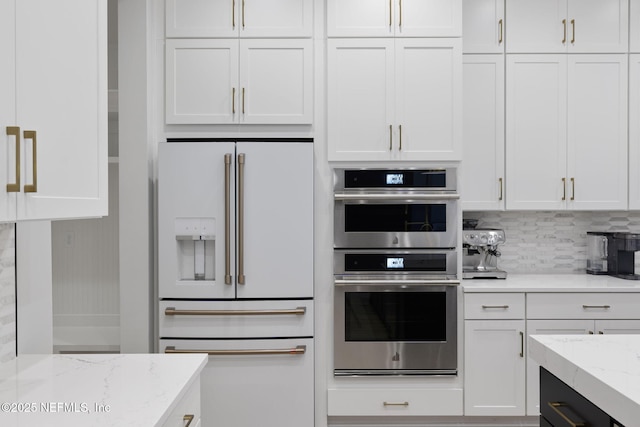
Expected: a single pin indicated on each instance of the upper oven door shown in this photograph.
(395, 220)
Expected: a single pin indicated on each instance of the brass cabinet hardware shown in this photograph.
(390, 137)
(172, 311)
(564, 24)
(15, 186)
(486, 307)
(564, 189)
(501, 189)
(395, 404)
(400, 13)
(521, 344)
(556, 408)
(400, 130)
(605, 307)
(233, 100)
(242, 100)
(233, 14)
(573, 31)
(243, 14)
(227, 219)
(188, 418)
(600, 333)
(240, 242)
(500, 31)
(390, 13)
(33, 187)
(298, 350)
(573, 189)
(590, 332)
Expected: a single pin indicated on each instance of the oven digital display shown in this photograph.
(395, 263)
(395, 179)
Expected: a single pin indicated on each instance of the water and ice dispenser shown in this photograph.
(195, 244)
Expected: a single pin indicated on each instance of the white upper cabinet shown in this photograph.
(634, 131)
(634, 26)
(239, 18)
(483, 26)
(394, 99)
(53, 109)
(556, 26)
(218, 81)
(399, 18)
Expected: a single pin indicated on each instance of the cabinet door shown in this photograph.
(428, 98)
(202, 18)
(494, 381)
(536, 131)
(483, 26)
(539, 26)
(277, 251)
(202, 81)
(634, 26)
(598, 26)
(634, 131)
(611, 327)
(428, 18)
(61, 87)
(548, 327)
(355, 18)
(191, 185)
(8, 144)
(276, 81)
(597, 132)
(483, 132)
(275, 18)
(360, 99)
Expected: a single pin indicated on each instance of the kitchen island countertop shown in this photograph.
(605, 369)
(95, 389)
(552, 283)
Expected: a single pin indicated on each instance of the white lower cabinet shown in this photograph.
(188, 409)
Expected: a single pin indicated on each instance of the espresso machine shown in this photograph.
(621, 251)
(480, 253)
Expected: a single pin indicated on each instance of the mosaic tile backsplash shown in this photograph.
(7, 293)
(551, 242)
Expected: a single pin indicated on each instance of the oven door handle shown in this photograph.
(359, 282)
(400, 196)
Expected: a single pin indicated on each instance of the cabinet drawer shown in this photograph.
(188, 406)
(583, 306)
(394, 402)
(494, 306)
(236, 319)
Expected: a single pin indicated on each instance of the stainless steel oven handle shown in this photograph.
(172, 311)
(357, 282)
(298, 350)
(403, 196)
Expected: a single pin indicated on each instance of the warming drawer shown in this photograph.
(236, 319)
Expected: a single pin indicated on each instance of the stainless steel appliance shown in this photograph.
(480, 253)
(621, 250)
(395, 208)
(395, 271)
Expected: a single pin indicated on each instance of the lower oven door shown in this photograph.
(395, 329)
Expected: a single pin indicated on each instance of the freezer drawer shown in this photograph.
(262, 389)
(236, 319)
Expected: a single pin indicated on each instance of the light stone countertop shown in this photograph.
(603, 368)
(551, 283)
(74, 390)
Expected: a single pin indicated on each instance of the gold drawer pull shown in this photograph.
(188, 418)
(556, 407)
(503, 307)
(605, 307)
(301, 349)
(405, 404)
(171, 311)
(15, 186)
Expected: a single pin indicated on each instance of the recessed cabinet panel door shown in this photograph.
(536, 132)
(598, 26)
(617, 326)
(483, 26)
(277, 196)
(634, 131)
(61, 84)
(428, 96)
(358, 18)
(276, 81)
(202, 18)
(597, 132)
(539, 26)
(634, 26)
(202, 81)
(360, 100)
(7, 110)
(276, 18)
(483, 132)
(428, 18)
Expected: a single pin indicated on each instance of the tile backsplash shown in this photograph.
(7, 292)
(551, 242)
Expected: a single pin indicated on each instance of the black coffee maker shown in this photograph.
(621, 255)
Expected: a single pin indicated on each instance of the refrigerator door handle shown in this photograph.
(240, 242)
(227, 219)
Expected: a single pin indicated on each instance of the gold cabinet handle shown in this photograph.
(172, 311)
(33, 187)
(390, 137)
(233, 100)
(395, 404)
(15, 186)
(227, 219)
(564, 24)
(233, 14)
(298, 350)
(501, 189)
(243, 14)
(604, 307)
(500, 31)
(573, 189)
(188, 418)
(564, 189)
(400, 130)
(242, 100)
(240, 242)
(487, 307)
(556, 408)
(573, 31)
(400, 12)
(521, 344)
(390, 13)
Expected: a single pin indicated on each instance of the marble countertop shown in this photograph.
(603, 368)
(552, 283)
(95, 389)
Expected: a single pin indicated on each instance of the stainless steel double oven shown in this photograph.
(395, 271)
